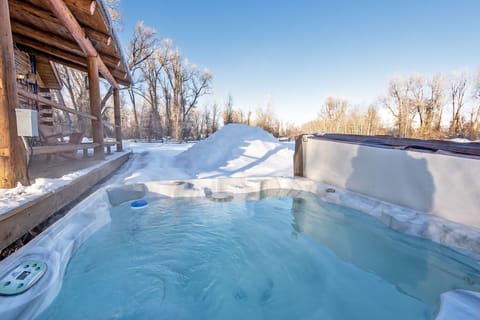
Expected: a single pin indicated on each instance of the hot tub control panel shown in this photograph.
(22, 277)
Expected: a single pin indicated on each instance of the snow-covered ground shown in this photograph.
(234, 151)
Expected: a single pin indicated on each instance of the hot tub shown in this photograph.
(256, 248)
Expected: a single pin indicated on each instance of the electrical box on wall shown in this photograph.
(27, 122)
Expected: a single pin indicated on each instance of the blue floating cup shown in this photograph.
(139, 204)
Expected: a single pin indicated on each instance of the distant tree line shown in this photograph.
(263, 117)
(337, 116)
(421, 108)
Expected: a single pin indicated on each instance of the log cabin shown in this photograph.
(34, 36)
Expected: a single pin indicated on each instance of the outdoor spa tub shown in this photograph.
(256, 248)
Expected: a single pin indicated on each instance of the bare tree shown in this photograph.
(152, 71)
(142, 47)
(215, 115)
(206, 122)
(416, 99)
(195, 124)
(228, 111)
(458, 88)
(289, 130)
(196, 84)
(437, 86)
(332, 113)
(75, 94)
(372, 121)
(199, 123)
(183, 84)
(265, 118)
(474, 124)
(399, 103)
(168, 83)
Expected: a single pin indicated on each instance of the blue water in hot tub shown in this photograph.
(276, 258)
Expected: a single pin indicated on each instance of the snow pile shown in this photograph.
(238, 151)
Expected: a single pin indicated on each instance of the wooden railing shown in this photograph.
(40, 99)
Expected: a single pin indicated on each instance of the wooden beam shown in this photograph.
(55, 72)
(37, 14)
(13, 166)
(22, 32)
(62, 148)
(39, 46)
(98, 36)
(95, 106)
(30, 95)
(58, 57)
(34, 11)
(62, 12)
(118, 119)
(62, 58)
(86, 6)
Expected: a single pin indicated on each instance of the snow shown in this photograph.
(460, 140)
(234, 151)
(237, 151)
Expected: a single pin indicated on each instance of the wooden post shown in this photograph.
(95, 106)
(298, 157)
(87, 7)
(13, 163)
(118, 119)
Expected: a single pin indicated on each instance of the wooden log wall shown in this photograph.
(22, 64)
(13, 164)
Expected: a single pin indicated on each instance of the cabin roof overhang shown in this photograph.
(41, 32)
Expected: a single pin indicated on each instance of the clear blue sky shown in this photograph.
(299, 52)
